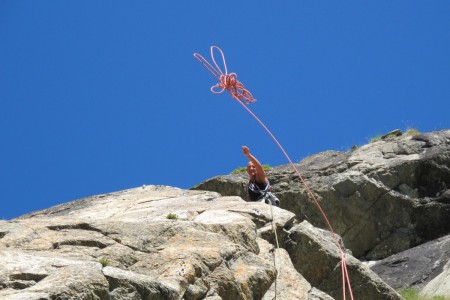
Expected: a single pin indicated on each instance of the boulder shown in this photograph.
(289, 284)
(315, 254)
(415, 267)
(43, 275)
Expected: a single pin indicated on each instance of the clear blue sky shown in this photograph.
(100, 96)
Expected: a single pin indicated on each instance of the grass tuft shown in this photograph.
(413, 294)
(172, 216)
(103, 261)
(375, 138)
(242, 169)
(412, 132)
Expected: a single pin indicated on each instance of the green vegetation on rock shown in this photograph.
(242, 169)
(172, 216)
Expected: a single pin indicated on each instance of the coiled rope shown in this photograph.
(229, 82)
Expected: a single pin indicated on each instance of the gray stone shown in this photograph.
(123, 245)
(383, 198)
(440, 285)
(159, 242)
(289, 284)
(414, 267)
(315, 254)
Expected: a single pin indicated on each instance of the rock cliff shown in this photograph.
(389, 201)
(157, 242)
(383, 198)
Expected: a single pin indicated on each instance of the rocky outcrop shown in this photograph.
(382, 198)
(414, 267)
(315, 255)
(387, 200)
(157, 242)
(151, 242)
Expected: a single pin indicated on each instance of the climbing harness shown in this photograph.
(229, 82)
(265, 195)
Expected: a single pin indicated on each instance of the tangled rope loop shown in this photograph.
(227, 81)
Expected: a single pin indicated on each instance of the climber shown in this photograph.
(258, 188)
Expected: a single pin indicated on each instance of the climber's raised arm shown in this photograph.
(254, 167)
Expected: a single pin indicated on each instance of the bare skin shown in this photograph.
(254, 167)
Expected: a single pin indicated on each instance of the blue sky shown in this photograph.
(100, 96)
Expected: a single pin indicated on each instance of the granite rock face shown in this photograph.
(145, 243)
(383, 198)
(387, 200)
(414, 267)
(315, 255)
(157, 242)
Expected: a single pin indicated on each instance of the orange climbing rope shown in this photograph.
(229, 82)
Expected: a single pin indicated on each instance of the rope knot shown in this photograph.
(227, 81)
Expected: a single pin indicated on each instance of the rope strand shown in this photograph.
(278, 247)
(238, 92)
